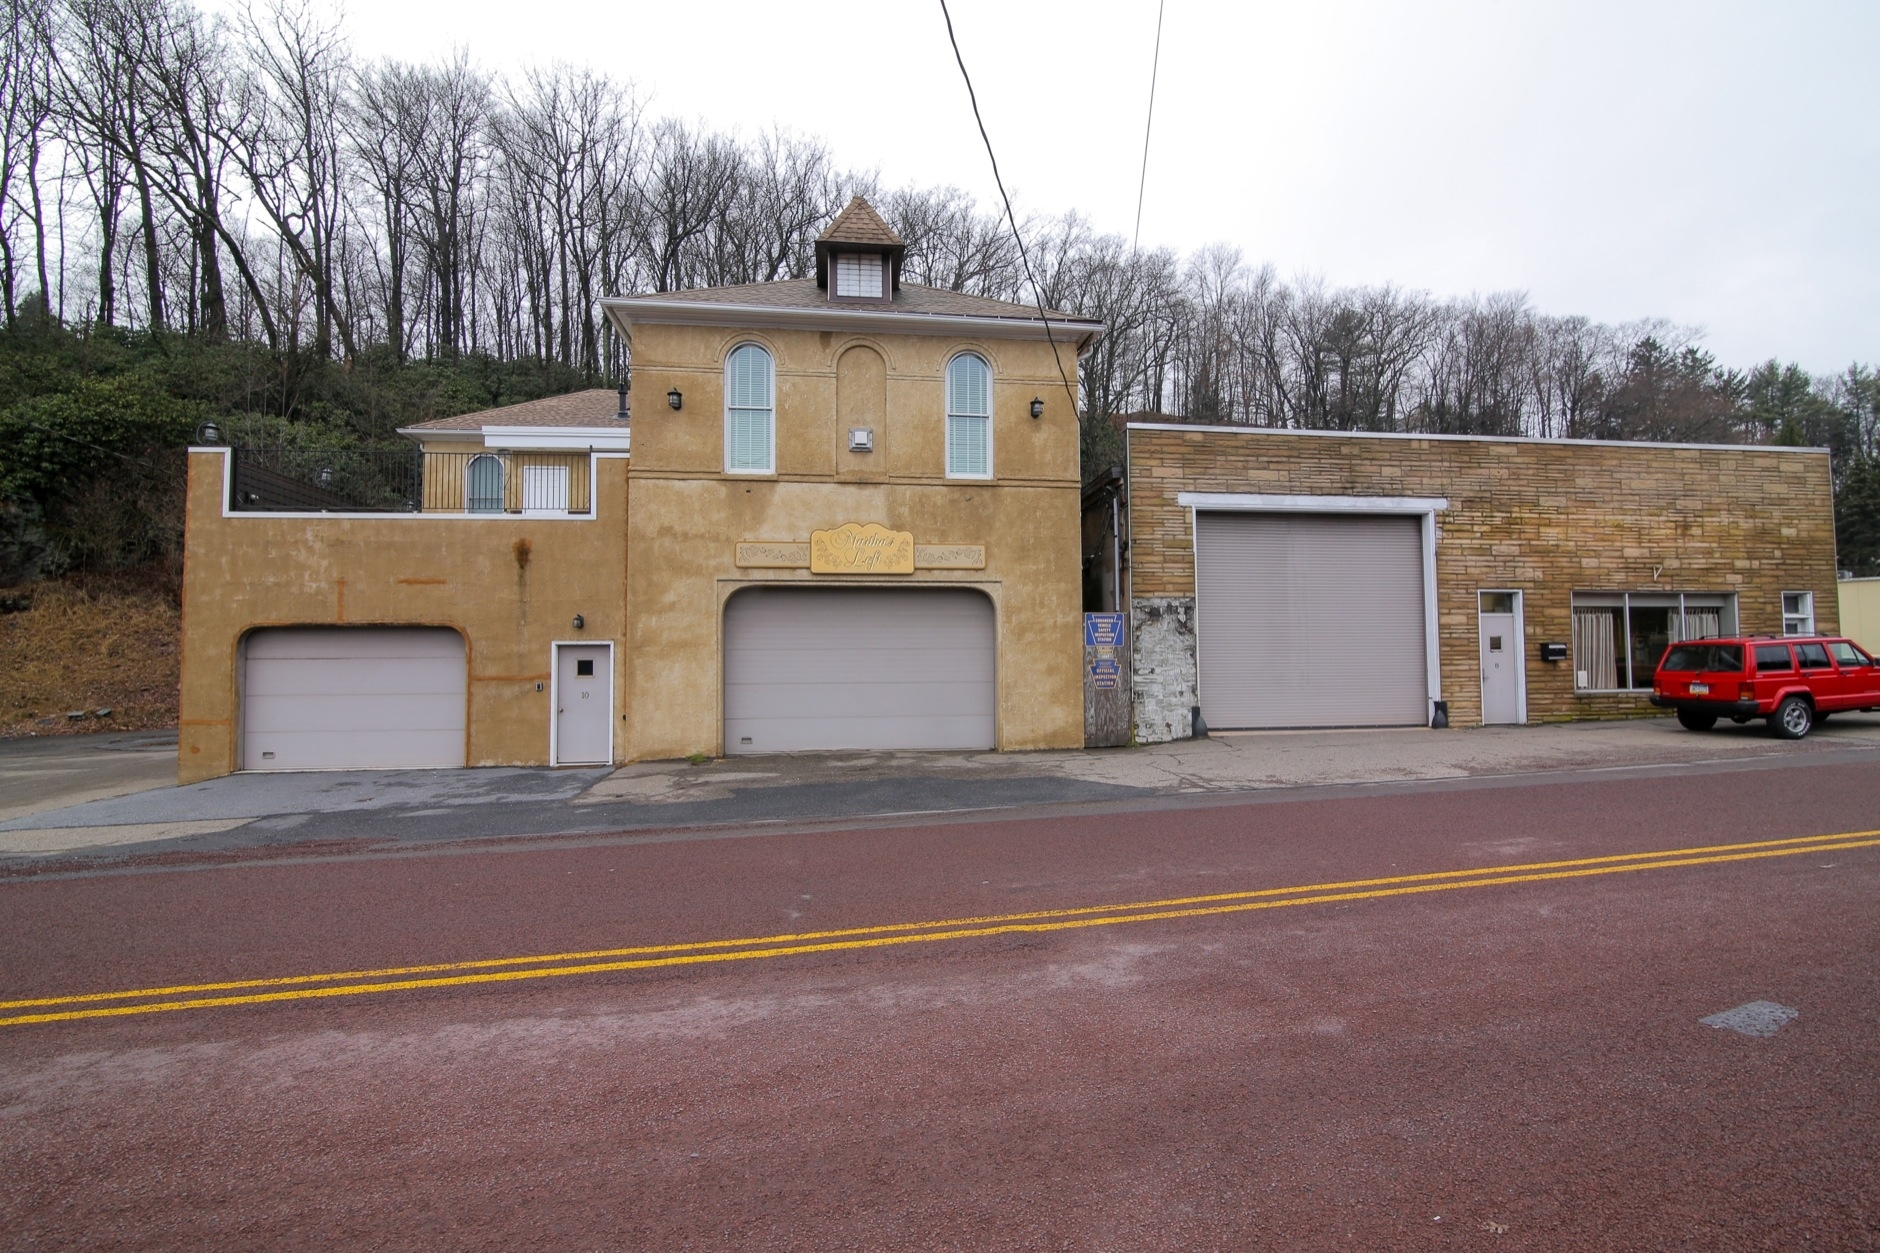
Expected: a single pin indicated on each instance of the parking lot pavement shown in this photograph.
(58, 771)
(417, 806)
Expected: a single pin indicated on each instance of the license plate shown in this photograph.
(1700, 689)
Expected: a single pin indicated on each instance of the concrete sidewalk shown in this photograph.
(1234, 761)
(417, 806)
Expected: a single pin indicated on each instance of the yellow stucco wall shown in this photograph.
(686, 516)
(1860, 612)
(510, 585)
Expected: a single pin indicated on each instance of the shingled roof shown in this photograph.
(860, 224)
(597, 406)
(802, 293)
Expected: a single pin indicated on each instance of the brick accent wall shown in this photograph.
(1545, 518)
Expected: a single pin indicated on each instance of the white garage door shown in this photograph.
(810, 668)
(328, 698)
(1310, 620)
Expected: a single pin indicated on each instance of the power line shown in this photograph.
(1155, 68)
(1012, 218)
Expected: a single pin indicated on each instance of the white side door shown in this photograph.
(584, 705)
(1501, 652)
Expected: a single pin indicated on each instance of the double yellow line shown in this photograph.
(751, 948)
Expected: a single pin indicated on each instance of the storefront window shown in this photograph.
(1618, 637)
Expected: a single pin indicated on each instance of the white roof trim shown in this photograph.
(556, 438)
(1237, 428)
(573, 438)
(624, 311)
(1246, 502)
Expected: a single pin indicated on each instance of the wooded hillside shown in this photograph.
(241, 219)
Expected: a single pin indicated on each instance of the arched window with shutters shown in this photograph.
(969, 417)
(483, 484)
(750, 411)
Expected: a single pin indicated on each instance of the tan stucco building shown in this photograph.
(843, 513)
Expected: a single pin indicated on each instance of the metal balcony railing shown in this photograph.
(378, 480)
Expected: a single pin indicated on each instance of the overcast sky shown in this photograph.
(1714, 163)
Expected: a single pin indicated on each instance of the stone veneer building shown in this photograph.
(1299, 578)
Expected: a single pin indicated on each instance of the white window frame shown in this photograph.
(947, 432)
(859, 263)
(502, 482)
(770, 363)
(1805, 618)
(551, 483)
(1731, 605)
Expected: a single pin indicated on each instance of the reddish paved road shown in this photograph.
(1336, 1075)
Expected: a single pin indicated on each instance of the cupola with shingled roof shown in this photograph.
(858, 259)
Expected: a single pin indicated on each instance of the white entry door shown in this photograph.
(1502, 696)
(584, 705)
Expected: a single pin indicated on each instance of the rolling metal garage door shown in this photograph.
(809, 668)
(328, 698)
(1310, 620)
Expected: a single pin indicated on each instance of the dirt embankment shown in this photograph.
(83, 646)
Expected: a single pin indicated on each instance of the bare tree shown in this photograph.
(286, 138)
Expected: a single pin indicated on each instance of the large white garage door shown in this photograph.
(1310, 620)
(813, 668)
(328, 698)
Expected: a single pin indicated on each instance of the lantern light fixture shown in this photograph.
(1037, 407)
(675, 398)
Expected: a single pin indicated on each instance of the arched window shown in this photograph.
(969, 417)
(750, 412)
(483, 484)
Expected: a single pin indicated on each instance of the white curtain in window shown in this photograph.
(969, 416)
(1699, 623)
(1594, 651)
(749, 411)
(858, 275)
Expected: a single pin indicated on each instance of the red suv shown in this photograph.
(1794, 682)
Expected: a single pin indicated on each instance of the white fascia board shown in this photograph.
(559, 438)
(1242, 502)
(624, 312)
(440, 435)
(1241, 428)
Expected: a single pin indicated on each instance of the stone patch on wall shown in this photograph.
(1163, 630)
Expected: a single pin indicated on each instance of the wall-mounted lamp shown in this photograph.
(579, 622)
(1037, 407)
(326, 477)
(675, 398)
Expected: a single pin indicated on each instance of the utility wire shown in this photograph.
(1010, 217)
(1155, 68)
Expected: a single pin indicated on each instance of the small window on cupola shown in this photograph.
(859, 257)
(858, 274)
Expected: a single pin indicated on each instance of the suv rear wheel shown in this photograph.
(1793, 718)
(1696, 720)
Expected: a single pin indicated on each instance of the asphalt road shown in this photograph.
(1225, 1026)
